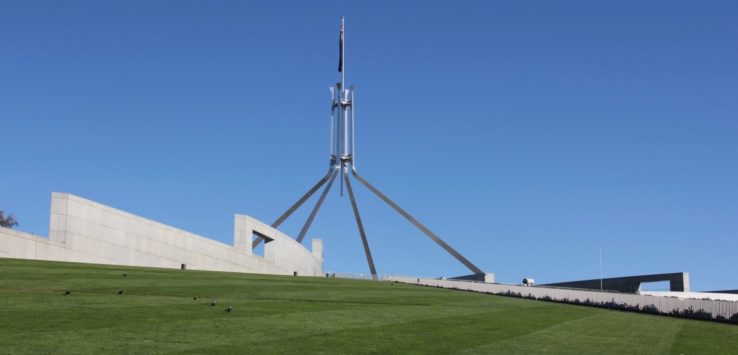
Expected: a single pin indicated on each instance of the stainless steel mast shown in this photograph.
(343, 162)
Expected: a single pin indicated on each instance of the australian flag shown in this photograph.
(340, 49)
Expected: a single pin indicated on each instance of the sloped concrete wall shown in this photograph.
(664, 304)
(85, 231)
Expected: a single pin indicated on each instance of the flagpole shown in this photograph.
(342, 100)
(342, 157)
(343, 72)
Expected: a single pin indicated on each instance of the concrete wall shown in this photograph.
(81, 230)
(21, 245)
(279, 248)
(483, 277)
(663, 304)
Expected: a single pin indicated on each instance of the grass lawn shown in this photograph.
(284, 314)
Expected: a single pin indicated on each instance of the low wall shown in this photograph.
(85, 231)
(694, 295)
(20, 245)
(664, 305)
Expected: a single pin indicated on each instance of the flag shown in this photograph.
(340, 49)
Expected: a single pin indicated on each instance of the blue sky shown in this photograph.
(527, 135)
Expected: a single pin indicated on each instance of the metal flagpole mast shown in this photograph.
(345, 103)
(342, 161)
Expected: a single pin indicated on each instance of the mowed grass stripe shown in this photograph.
(458, 332)
(593, 334)
(278, 314)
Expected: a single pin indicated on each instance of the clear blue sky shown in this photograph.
(528, 136)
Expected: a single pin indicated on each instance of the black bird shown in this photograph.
(120, 292)
(228, 309)
(67, 292)
(213, 303)
(194, 298)
(124, 275)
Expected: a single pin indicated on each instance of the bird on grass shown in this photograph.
(228, 309)
(67, 292)
(194, 298)
(124, 275)
(120, 292)
(213, 303)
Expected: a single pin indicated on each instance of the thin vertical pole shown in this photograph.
(332, 134)
(353, 131)
(600, 269)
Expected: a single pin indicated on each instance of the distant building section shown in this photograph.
(678, 281)
(85, 231)
(487, 277)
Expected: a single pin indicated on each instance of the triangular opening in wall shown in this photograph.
(259, 250)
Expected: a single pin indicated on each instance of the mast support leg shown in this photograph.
(310, 219)
(419, 225)
(367, 252)
(297, 205)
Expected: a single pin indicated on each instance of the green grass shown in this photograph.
(275, 314)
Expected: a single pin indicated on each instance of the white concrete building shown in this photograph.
(85, 231)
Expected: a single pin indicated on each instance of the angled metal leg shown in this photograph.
(310, 219)
(297, 205)
(361, 228)
(302, 200)
(420, 226)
